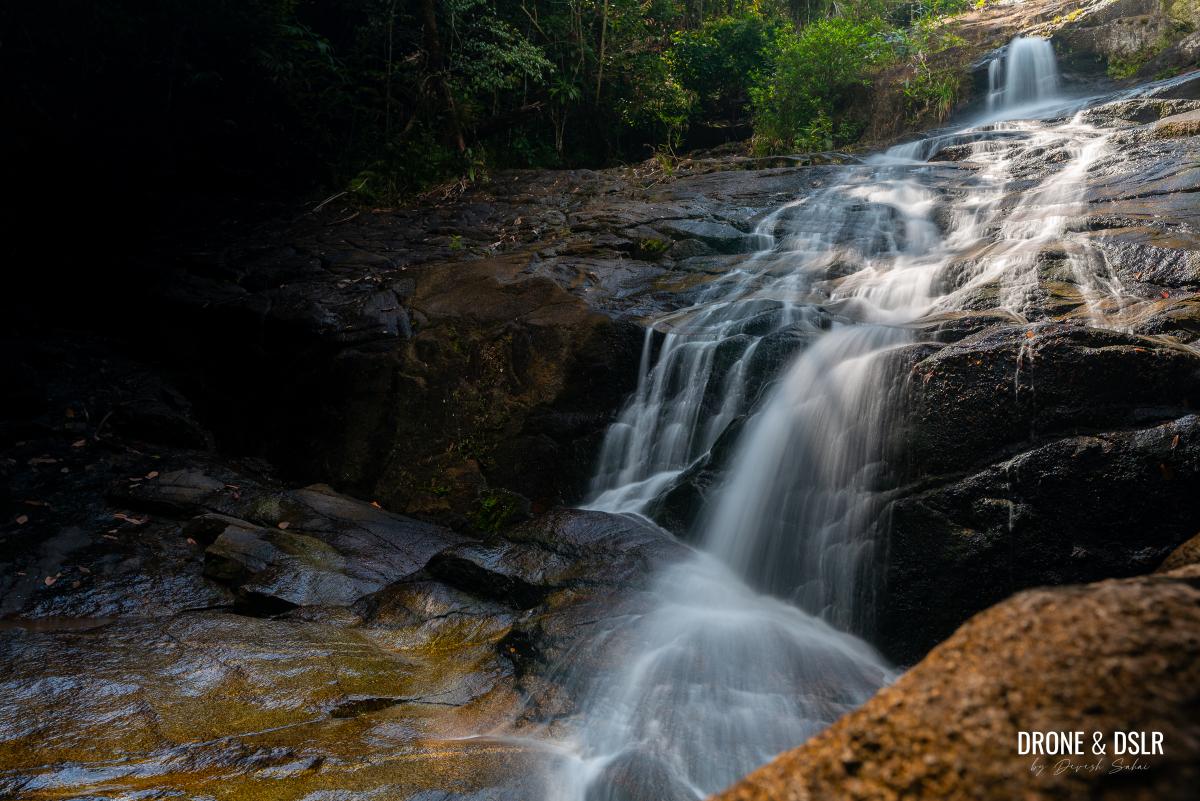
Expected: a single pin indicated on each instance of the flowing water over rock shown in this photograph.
(786, 372)
(1026, 74)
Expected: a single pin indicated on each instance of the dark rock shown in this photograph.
(561, 549)
(1063, 512)
(346, 550)
(720, 236)
(987, 393)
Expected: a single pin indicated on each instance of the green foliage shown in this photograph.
(801, 105)
(722, 59)
(931, 90)
(387, 97)
(657, 103)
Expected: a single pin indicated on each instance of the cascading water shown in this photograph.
(1026, 74)
(720, 677)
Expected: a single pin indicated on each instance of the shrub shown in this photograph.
(817, 72)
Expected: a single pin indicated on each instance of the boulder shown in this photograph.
(562, 549)
(1074, 509)
(990, 392)
(1176, 125)
(348, 552)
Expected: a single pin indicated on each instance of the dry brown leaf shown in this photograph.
(79, 443)
(283, 524)
(22, 519)
(152, 474)
(50, 580)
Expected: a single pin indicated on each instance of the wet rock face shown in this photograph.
(948, 728)
(329, 695)
(990, 392)
(428, 356)
(176, 622)
(1075, 509)
(1058, 447)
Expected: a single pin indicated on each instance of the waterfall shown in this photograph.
(1025, 74)
(795, 357)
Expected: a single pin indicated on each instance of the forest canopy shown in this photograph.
(385, 97)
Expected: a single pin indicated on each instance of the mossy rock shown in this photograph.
(497, 509)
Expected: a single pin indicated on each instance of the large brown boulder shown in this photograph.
(1118, 656)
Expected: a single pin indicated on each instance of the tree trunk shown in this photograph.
(437, 67)
(600, 62)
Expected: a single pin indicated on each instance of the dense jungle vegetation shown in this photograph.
(385, 97)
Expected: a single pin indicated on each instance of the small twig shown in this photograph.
(329, 200)
(345, 219)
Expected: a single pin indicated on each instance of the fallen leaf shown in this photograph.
(87, 571)
(1166, 294)
(76, 584)
(43, 460)
(32, 502)
(191, 541)
(1174, 442)
(376, 504)
(283, 524)
(22, 519)
(108, 536)
(1029, 335)
(50, 580)
(79, 443)
(152, 474)
(70, 412)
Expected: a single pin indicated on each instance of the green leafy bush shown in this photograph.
(722, 59)
(801, 105)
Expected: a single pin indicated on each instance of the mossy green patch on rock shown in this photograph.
(496, 509)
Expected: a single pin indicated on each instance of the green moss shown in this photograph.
(496, 509)
(651, 248)
(1121, 68)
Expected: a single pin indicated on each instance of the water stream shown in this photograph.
(755, 644)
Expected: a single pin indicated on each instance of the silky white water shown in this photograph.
(790, 364)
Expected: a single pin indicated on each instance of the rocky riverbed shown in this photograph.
(312, 539)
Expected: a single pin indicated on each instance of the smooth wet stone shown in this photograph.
(720, 236)
(1010, 385)
(1073, 509)
(208, 705)
(562, 549)
(334, 550)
